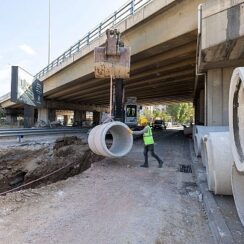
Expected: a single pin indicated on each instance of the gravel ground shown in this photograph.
(115, 201)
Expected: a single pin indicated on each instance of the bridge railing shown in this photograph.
(117, 17)
(5, 97)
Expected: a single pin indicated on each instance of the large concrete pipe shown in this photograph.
(219, 162)
(121, 143)
(201, 131)
(236, 117)
(204, 155)
(238, 191)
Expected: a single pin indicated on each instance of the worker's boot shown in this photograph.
(160, 164)
(145, 165)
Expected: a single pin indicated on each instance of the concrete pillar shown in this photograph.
(11, 117)
(43, 114)
(46, 114)
(217, 96)
(52, 114)
(28, 116)
(77, 116)
(96, 118)
(65, 120)
(83, 115)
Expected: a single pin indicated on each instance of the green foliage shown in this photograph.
(147, 114)
(181, 112)
(2, 112)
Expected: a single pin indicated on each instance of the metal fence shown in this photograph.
(25, 132)
(117, 17)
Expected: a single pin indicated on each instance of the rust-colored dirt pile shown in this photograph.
(67, 157)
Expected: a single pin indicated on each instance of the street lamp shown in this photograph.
(49, 29)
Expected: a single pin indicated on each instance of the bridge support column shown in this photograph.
(46, 114)
(11, 117)
(118, 100)
(79, 117)
(66, 119)
(83, 115)
(96, 118)
(28, 116)
(217, 96)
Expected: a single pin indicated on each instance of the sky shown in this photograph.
(24, 31)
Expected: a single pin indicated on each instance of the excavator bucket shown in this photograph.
(113, 59)
(117, 66)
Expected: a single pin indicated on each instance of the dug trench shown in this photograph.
(38, 164)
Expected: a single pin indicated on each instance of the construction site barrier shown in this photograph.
(236, 117)
(219, 162)
(201, 131)
(238, 191)
(122, 140)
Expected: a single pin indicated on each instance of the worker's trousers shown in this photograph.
(151, 149)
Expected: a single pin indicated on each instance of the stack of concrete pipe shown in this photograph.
(236, 124)
(219, 161)
(200, 131)
(122, 140)
(204, 155)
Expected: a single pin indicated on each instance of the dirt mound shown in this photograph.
(67, 157)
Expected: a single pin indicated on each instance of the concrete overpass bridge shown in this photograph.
(165, 37)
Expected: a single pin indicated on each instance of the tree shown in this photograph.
(181, 112)
(2, 112)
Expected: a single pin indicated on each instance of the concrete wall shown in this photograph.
(217, 96)
(222, 34)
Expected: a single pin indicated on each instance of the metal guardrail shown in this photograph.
(25, 132)
(117, 17)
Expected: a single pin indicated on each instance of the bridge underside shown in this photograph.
(162, 74)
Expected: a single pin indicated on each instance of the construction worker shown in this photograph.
(148, 143)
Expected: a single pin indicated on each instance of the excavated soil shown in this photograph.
(115, 201)
(25, 163)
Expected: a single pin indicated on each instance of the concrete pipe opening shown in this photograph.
(236, 117)
(201, 131)
(238, 191)
(219, 162)
(120, 144)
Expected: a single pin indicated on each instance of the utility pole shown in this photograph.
(49, 29)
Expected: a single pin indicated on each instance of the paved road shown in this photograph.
(115, 201)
